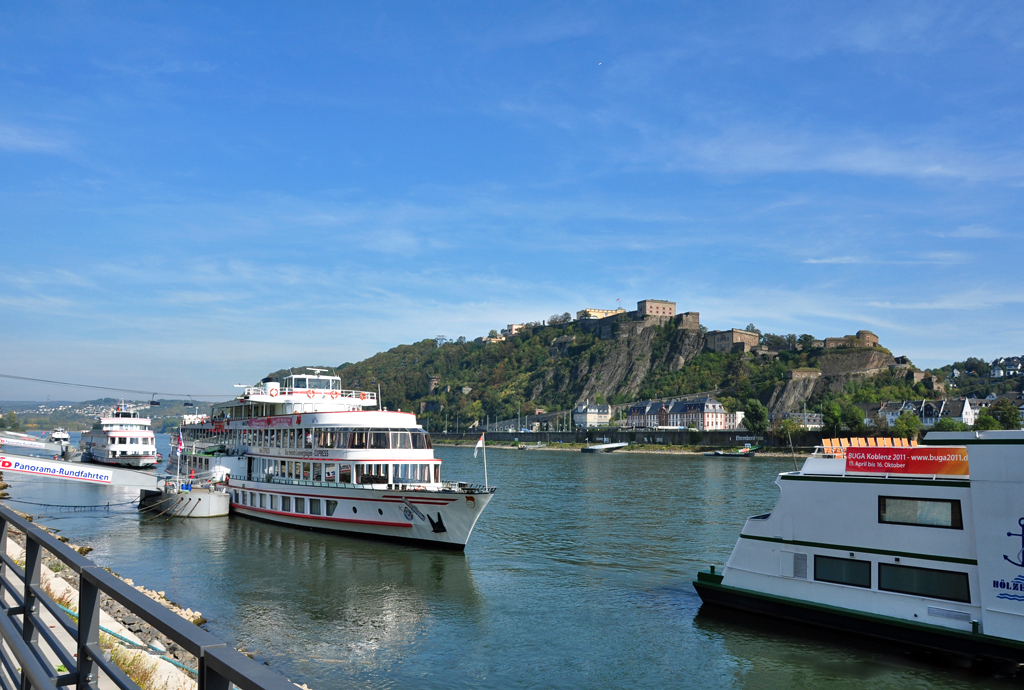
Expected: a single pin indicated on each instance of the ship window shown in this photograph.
(330, 472)
(122, 441)
(924, 582)
(318, 472)
(134, 441)
(345, 477)
(289, 472)
(336, 384)
(401, 440)
(300, 505)
(236, 496)
(378, 439)
(298, 383)
(331, 507)
(263, 500)
(357, 439)
(319, 384)
(437, 474)
(842, 571)
(926, 512)
(305, 471)
(286, 504)
(309, 438)
(273, 501)
(419, 440)
(314, 506)
(426, 437)
(341, 438)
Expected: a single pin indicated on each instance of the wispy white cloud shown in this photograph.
(15, 138)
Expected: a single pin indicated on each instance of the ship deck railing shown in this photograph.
(446, 487)
(358, 395)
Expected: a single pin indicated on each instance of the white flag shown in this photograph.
(479, 445)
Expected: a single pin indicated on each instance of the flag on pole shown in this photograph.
(181, 442)
(479, 445)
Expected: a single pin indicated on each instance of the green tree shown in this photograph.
(756, 417)
(832, 416)
(786, 429)
(907, 426)
(1006, 413)
(987, 422)
(492, 333)
(853, 418)
(806, 341)
(950, 424)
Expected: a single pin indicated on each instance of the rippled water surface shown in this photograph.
(577, 575)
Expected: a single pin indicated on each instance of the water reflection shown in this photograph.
(578, 575)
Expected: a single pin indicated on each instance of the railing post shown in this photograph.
(3, 544)
(33, 574)
(208, 679)
(88, 633)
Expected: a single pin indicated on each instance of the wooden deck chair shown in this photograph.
(872, 442)
(913, 444)
(886, 442)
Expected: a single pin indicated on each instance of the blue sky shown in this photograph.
(194, 195)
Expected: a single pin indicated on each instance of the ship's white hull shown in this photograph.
(435, 518)
(135, 461)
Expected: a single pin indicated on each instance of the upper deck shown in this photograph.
(295, 394)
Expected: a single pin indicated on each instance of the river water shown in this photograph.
(577, 575)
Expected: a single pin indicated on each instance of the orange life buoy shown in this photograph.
(362, 396)
(310, 393)
(334, 394)
(273, 392)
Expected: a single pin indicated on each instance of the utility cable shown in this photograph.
(108, 388)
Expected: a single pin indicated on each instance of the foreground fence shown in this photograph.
(30, 644)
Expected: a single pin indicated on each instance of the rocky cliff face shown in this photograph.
(632, 356)
(837, 368)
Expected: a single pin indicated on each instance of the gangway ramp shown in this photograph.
(103, 475)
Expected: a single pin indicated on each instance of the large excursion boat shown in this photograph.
(919, 545)
(306, 453)
(124, 439)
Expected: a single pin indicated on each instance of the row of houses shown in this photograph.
(965, 410)
(703, 413)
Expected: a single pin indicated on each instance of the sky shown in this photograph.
(192, 196)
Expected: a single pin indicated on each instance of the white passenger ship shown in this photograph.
(908, 544)
(306, 453)
(124, 439)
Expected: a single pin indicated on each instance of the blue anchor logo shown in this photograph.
(1020, 554)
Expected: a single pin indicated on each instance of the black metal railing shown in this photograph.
(23, 660)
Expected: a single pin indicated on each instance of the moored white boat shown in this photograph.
(304, 452)
(124, 439)
(919, 545)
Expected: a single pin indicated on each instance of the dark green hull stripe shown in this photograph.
(861, 549)
(871, 624)
(960, 483)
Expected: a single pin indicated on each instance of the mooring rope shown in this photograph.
(73, 507)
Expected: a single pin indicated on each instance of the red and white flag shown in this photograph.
(181, 442)
(479, 445)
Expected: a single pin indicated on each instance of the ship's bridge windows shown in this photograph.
(320, 384)
(401, 440)
(420, 440)
(924, 512)
(379, 440)
(924, 582)
(336, 384)
(298, 383)
(842, 571)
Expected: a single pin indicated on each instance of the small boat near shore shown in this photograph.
(918, 545)
(747, 452)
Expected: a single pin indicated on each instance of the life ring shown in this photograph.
(310, 393)
(362, 396)
(273, 392)
(334, 394)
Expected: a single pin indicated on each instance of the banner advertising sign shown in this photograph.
(926, 460)
(58, 470)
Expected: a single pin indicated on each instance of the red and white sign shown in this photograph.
(926, 460)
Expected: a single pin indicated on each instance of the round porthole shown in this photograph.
(380, 512)
(354, 509)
